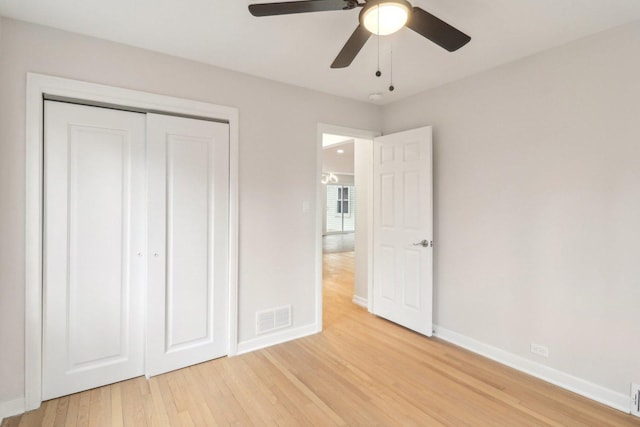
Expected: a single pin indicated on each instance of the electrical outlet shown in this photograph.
(635, 399)
(540, 350)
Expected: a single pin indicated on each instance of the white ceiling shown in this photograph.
(341, 163)
(329, 139)
(298, 49)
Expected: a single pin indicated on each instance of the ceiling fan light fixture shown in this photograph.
(389, 15)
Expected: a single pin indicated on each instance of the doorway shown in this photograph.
(344, 171)
(339, 191)
(396, 227)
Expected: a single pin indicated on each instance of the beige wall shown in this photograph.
(537, 205)
(278, 123)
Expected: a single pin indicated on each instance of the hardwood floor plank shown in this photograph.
(255, 402)
(168, 399)
(116, 405)
(11, 421)
(198, 408)
(61, 411)
(301, 387)
(159, 411)
(132, 406)
(34, 418)
(100, 407)
(84, 408)
(50, 413)
(221, 400)
(72, 410)
(185, 419)
(286, 393)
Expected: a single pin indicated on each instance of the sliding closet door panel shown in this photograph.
(188, 236)
(94, 225)
(189, 241)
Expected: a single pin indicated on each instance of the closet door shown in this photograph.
(93, 237)
(188, 163)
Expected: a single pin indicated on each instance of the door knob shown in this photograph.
(423, 243)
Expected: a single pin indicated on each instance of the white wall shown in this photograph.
(11, 259)
(363, 160)
(537, 205)
(278, 143)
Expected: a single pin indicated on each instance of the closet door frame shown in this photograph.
(41, 86)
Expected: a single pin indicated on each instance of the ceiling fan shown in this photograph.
(380, 17)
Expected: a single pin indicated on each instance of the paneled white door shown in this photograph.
(188, 185)
(403, 229)
(94, 181)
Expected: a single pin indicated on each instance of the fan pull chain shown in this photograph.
(391, 87)
(378, 72)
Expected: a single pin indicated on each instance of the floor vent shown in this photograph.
(635, 400)
(275, 318)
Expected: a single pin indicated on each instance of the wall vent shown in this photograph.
(635, 399)
(272, 319)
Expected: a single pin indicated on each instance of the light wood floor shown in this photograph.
(361, 371)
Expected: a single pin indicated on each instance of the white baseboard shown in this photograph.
(10, 408)
(577, 385)
(362, 302)
(276, 338)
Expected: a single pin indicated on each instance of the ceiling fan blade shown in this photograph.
(436, 30)
(351, 47)
(286, 8)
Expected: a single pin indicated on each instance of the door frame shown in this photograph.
(352, 133)
(40, 86)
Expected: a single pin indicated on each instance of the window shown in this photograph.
(340, 208)
(343, 201)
